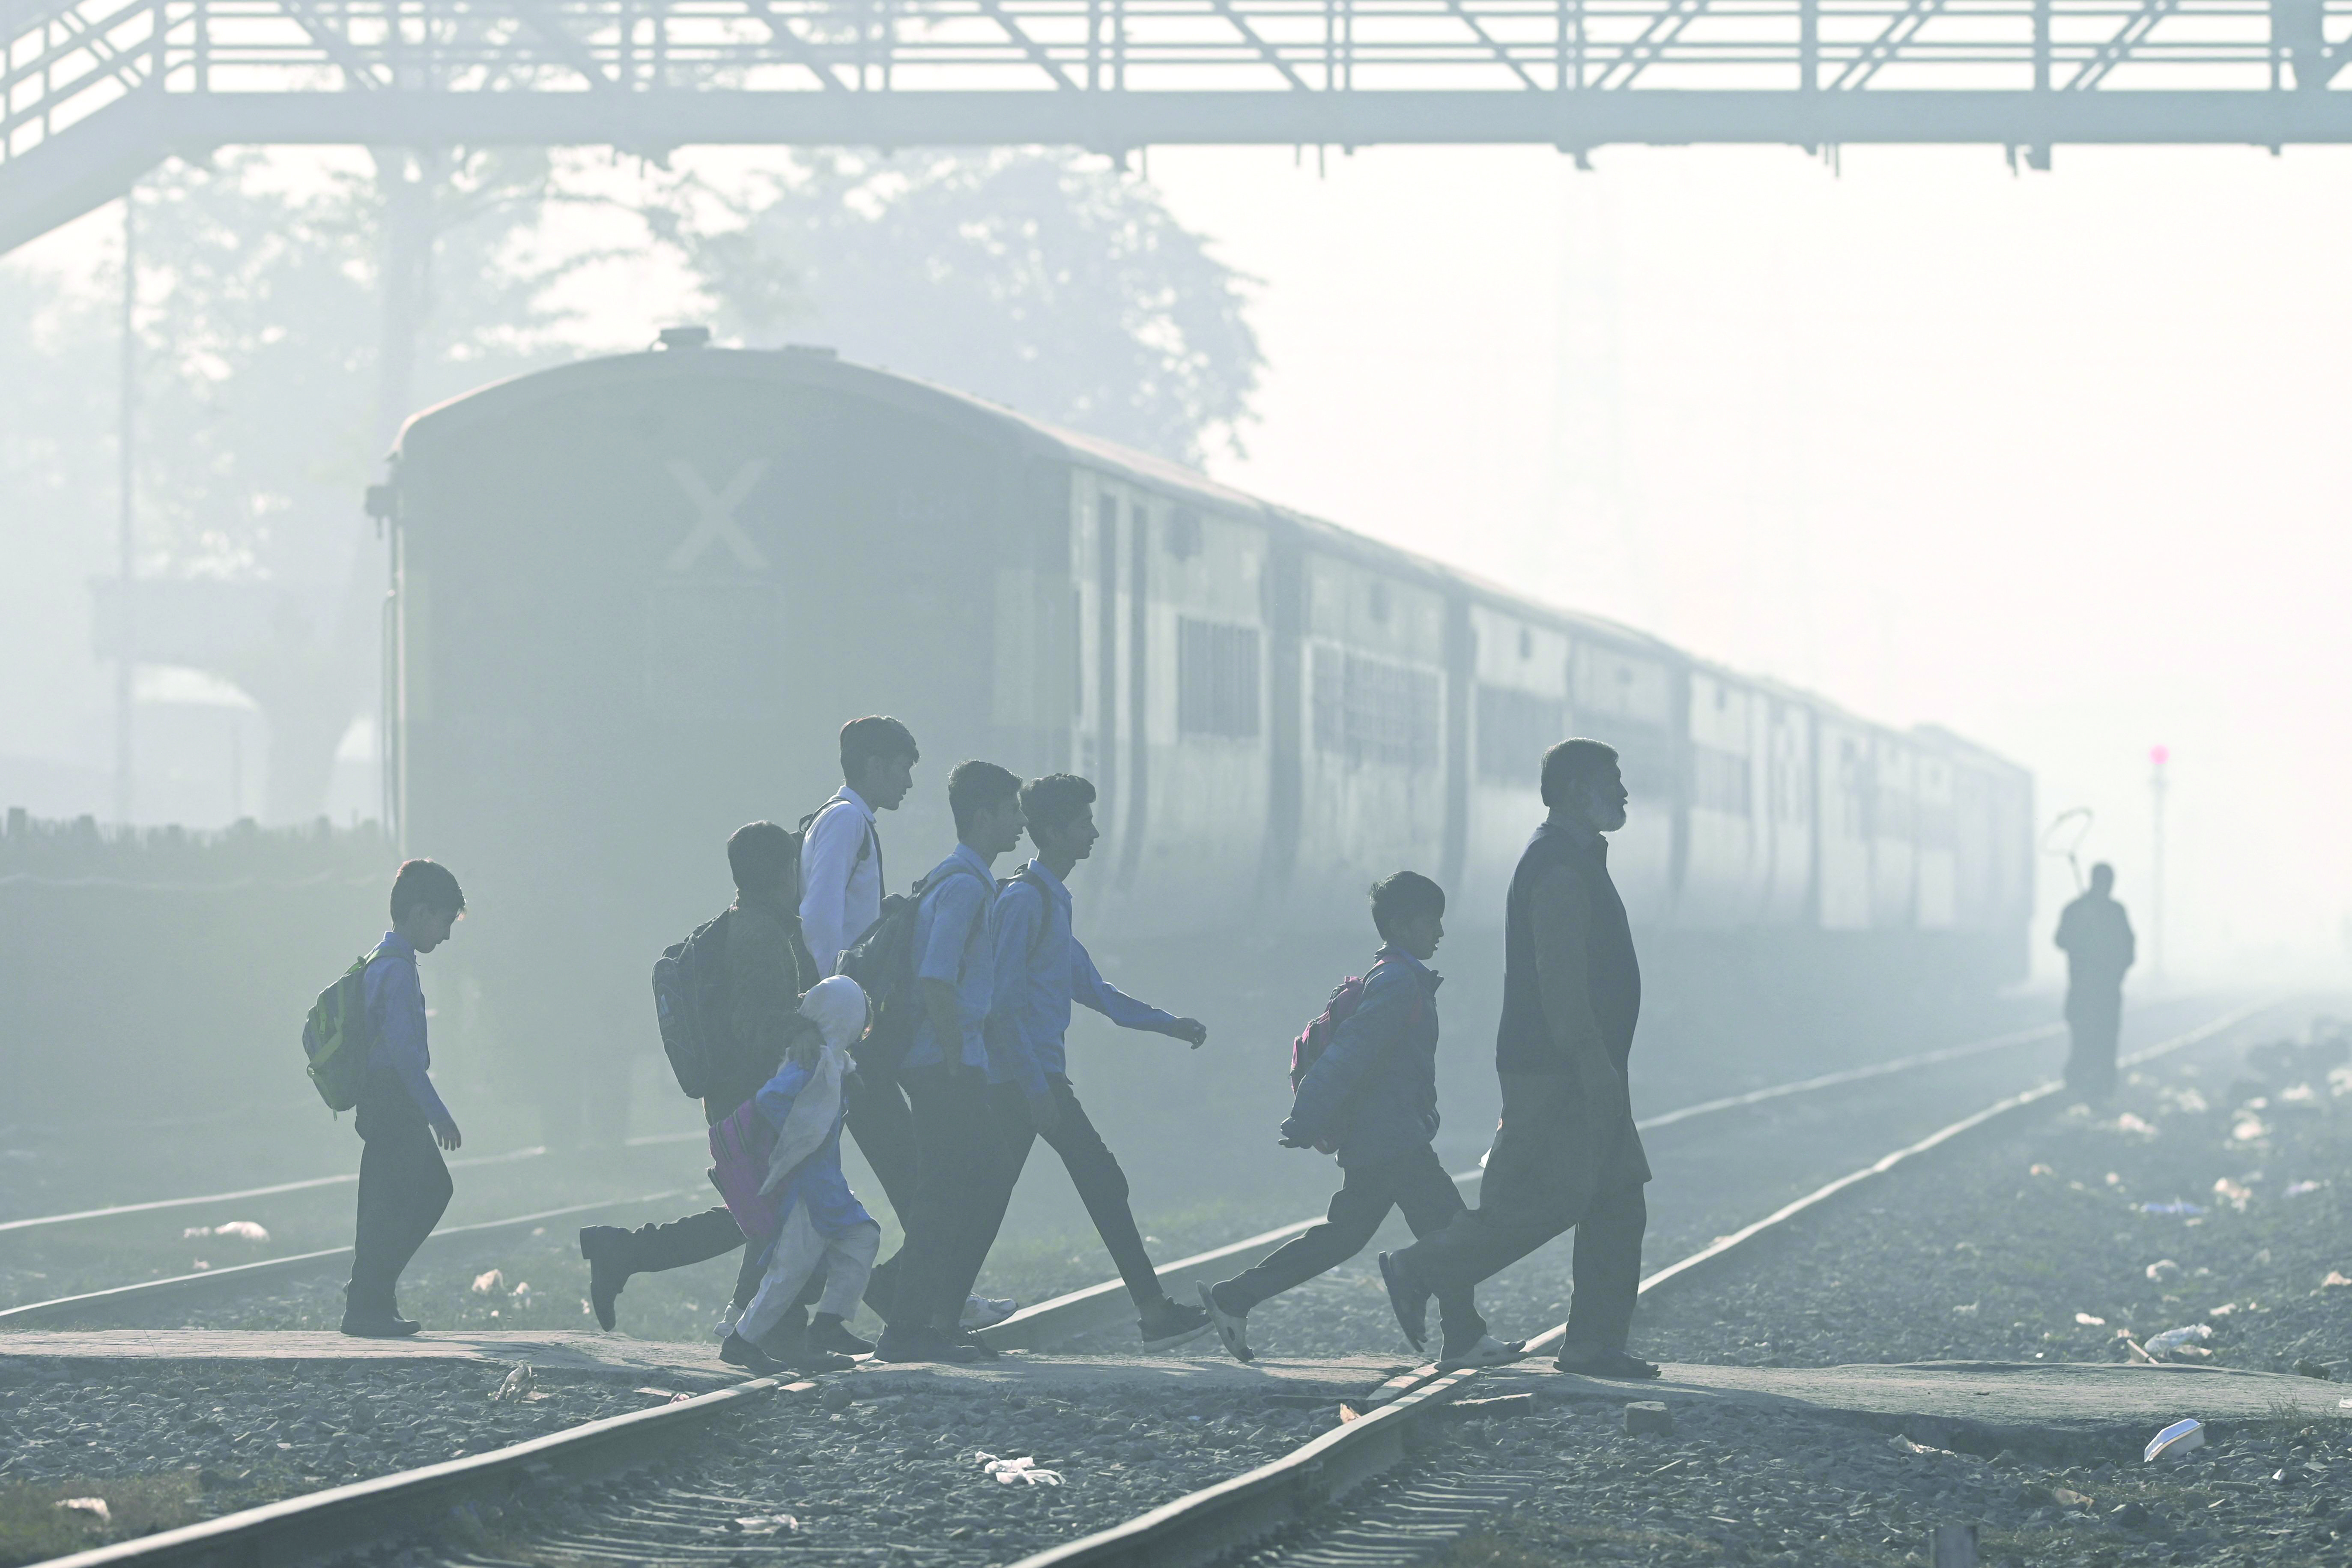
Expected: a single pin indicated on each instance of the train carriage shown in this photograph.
(637, 595)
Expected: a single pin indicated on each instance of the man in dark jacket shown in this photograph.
(1567, 1153)
(1371, 1098)
(765, 977)
(2097, 936)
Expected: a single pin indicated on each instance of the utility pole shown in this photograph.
(126, 622)
(2157, 757)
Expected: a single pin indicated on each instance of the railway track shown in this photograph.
(1363, 1494)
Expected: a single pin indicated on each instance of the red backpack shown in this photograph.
(1316, 1038)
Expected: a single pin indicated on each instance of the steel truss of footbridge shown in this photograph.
(97, 90)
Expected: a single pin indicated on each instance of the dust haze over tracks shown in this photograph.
(555, 1500)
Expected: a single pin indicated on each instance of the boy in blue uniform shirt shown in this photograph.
(404, 1181)
(1371, 1095)
(1041, 970)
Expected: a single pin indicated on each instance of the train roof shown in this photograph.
(811, 366)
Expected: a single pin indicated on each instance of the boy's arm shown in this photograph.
(397, 1000)
(1370, 1029)
(1018, 910)
(1089, 989)
(826, 862)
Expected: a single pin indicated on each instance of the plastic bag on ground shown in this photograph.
(1023, 1469)
(2177, 1439)
(518, 1385)
(2172, 1340)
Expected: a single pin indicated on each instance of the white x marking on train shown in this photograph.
(715, 518)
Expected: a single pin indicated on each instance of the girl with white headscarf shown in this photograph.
(825, 1225)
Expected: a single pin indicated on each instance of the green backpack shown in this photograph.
(336, 1038)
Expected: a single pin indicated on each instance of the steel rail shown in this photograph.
(1200, 1528)
(114, 1298)
(306, 1185)
(304, 1529)
(1103, 1304)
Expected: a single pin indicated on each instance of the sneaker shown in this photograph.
(899, 1346)
(829, 1333)
(377, 1325)
(1488, 1352)
(1407, 1298)
(740, 1352)
(1232, 1327)
(724, 1329)
(987, 1311)
(969, 1339)
(1165, 1324)
(1610, 1364)
(606, 1249)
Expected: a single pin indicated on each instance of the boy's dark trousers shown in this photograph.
(1416, 1183)
(404, 1188)
(957, 1156)
(1093, 1171)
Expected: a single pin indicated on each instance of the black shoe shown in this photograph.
(1488, 1352)
(1232, 1327)
(899, 1346)
(1408, 1298)
(740, 1352)
(388, 1325)
(810, 1362)
(828, 1333)
(969, 1339)
(604, 1247)
(1608, 1363)
(1165, 1324)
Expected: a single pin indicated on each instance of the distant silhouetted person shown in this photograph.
(404, 1181)
(1567, 1153)
(2097, 936)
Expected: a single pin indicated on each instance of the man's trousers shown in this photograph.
(1549, 1172)
(956, 1159)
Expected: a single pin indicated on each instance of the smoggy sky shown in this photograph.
(2056, 460)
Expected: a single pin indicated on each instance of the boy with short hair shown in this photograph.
(945, 1074)
(1041, 969)
(1371, 1097)
(404, 1181)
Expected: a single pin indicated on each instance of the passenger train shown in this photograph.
(636, 597)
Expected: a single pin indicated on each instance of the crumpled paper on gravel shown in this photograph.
(1023, 1469)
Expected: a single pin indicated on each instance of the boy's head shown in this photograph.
(759, 854)
(425, 903)
(986, 801)
(1060, 811)
(878, 760)
(1410, 911)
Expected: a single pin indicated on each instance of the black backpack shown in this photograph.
(690, 1004)
(882, 961)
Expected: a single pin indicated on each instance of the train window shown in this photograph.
(1526, 643)
(1719, 781)
(1184, 533)
(1515, 730)
(1380, 604)
(1216, 678)
(1374, 711)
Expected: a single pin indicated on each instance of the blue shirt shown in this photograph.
(395, 1007)
(954, 941)
(1373, 1091)
(1041, 970)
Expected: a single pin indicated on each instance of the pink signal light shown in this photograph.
(2160, 755)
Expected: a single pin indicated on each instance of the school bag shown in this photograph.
(690, 1004)
(336, 1036)
(1324, 1028)
(882, 961)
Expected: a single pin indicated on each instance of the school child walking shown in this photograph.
(404, 1181)
(1371, 1098)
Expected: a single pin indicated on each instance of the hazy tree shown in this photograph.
(1045, 280)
